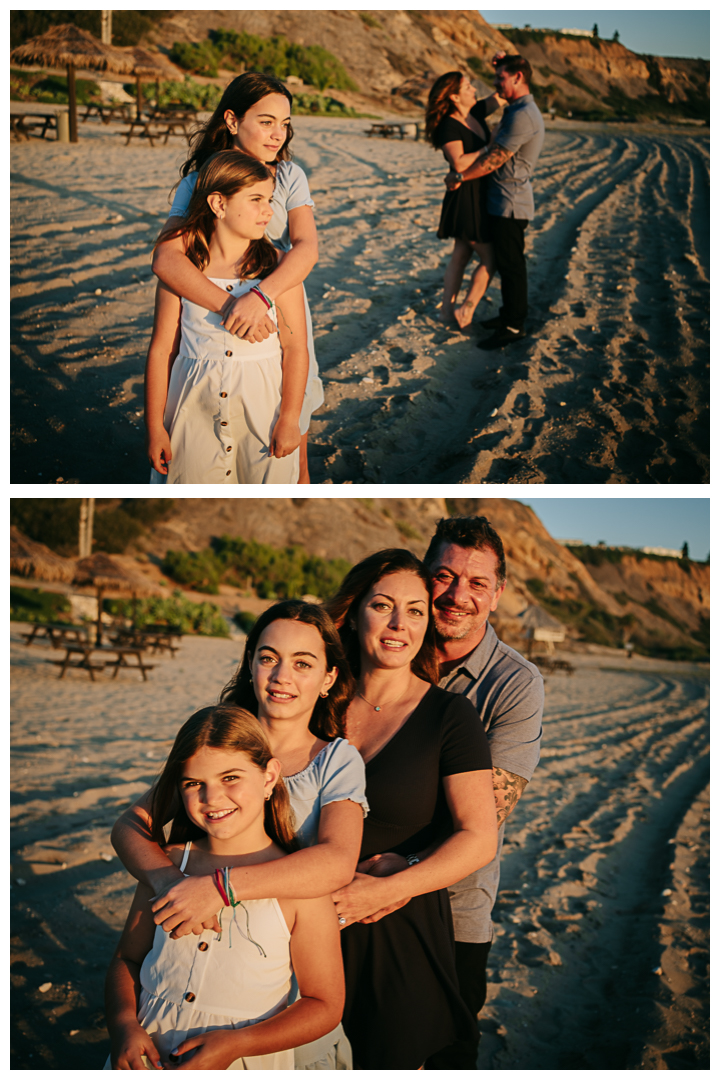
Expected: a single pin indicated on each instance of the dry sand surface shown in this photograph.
(600, 960)
(610, 386)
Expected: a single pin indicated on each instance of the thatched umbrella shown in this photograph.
(109, 578)
(69, 46)
(33, 560)
(149, 65)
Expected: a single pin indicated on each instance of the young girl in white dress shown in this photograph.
(220, 1001)
(253, 115)
(295, 677)
(219, 409)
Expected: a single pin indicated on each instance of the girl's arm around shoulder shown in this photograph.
(292, 329)
(172, 266)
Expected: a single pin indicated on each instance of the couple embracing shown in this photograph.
(345, 783)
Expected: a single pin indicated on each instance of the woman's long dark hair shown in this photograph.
(328, 718)
(222, 727)
(343, 606)
(239, 96)
(227, 173)
(439, 105)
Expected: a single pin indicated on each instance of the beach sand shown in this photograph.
(604, 880)
(609, 387)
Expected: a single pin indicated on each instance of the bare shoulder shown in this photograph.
(175, 853)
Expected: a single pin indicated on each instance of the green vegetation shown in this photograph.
(35, 605)
(55, 522)
(50, 89)
(480, 68)
(127, 26)
(204, 96)
(369, 21)
(274, 573)
(245, 620)
(275, 55)
(192, 618)
(407, 531)
(322, 105)
(596, 556)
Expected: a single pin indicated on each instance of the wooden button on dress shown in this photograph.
(189, 997)
(203, 946)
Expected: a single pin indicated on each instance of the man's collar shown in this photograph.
(478, 658)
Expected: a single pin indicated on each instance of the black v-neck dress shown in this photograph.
(402, 998)
(462, 210)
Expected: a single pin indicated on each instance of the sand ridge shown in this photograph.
(604, 874)
(610, 386)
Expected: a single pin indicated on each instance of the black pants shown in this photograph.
(470, 962)
(508, 240)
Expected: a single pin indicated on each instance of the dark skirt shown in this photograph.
(403, 1002)
(463, 211)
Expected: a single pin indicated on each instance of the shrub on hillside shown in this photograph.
(192, 618)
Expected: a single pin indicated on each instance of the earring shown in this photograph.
(325, 694)
(352, 625)
(268, 797)
(250, 677)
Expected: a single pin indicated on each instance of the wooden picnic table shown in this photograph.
(389, 129)
(106, 113)
(59, 634)
(26, 117)
(156, 640)
(161, 123)
(88, 653)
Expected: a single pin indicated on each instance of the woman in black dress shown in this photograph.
(432, 819)
(455, 123)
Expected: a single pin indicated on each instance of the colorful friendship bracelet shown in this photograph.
(261, 294)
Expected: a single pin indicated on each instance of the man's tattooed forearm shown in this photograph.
(508, 788)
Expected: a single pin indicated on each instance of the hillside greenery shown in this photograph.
(192, 618)
(276, 55)
(128, 27)
(36, 605)
(273, 573)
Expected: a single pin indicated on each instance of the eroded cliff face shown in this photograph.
(658, 603)
(395, 56)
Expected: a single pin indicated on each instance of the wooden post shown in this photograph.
(98, 638)
(82, 537)
(138, 96)
(72, 103)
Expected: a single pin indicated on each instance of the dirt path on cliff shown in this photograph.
(610, 386)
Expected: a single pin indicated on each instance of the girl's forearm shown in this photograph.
(310, 872)
(157, 374)
(176, 271)
(292, 270)
(294, 379)
(122, 992)
(308, 1019)
(140, 855)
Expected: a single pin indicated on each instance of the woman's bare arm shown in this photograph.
(184, 904)
(472, 844)
(456, 156)
(172, 266)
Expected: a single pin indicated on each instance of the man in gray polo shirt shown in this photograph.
(509, 160)
(467, 563)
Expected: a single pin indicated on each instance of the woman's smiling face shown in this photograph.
(392, 620)
(289, 671)
(224, 793)
(263, 129)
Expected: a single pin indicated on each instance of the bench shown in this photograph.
(87, 659)
(161, 123)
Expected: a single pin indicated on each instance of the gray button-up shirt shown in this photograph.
(521, 131)
(507, 691)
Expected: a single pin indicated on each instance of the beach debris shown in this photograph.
(554, 958)
(75, 1031)
(105, 857)
(44, 988)
(619, 286)
(563, 402)
(494, 412)
(657, 970)
(367, 379)
(76, 794)
(98, 292)
(20, 881)
(667, 892)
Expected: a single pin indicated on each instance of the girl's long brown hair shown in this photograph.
(439, 105)
(226, 172)
(328, 718)
(343, 606)
(223, 727)
(239, 96)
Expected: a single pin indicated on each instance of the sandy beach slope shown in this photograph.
(605, 872)
(610, 387)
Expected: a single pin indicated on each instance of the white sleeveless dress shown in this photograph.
(223, 400)
(195, 984)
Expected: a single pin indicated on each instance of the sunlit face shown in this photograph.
(466, 95)
(263, 129)
(508, 85)
(247, 213)
(224, 793)
(392, 620)
(289, 671)
(465, 591)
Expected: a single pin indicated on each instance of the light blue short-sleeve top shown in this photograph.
(291, 191)
(337, 773)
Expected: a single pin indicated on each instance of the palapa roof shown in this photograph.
(151, 65)
(536, 618)
(68, 44)
(104, 573)
(31, 559)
